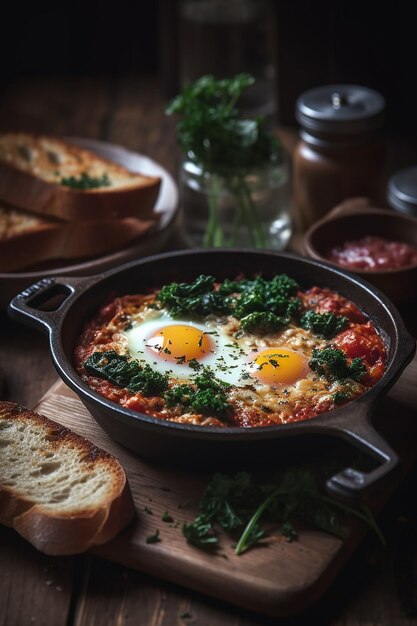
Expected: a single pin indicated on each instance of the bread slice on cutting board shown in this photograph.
(52, 177)
(59, 491)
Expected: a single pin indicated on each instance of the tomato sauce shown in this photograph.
(362, 341)
(373, 254)
(359, 339)
(322, 300)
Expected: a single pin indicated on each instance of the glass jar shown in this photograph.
(402, 191)
(226, 37)
(242, 209)
(340, 154)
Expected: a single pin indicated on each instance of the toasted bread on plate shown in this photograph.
(59, 491)
(27, 239)
(52, 177)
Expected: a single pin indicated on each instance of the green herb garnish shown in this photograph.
(186, 615)
(333, 364)
(125, 372)
(154, 538)
(213, 135)
(263, 322)
(206, 395)
(262, 295)
(324, 324)
(85, 181)
(262, 305)
(340, 397)
(166, 517)
(238, 504)
(197, 298)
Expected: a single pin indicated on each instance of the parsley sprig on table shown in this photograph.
(213, 135)
(239, 503)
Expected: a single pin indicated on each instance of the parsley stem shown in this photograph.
(213, 235)
(244, 542)
(250, 226)
(365, 515)
(237, 221)
(259, 231)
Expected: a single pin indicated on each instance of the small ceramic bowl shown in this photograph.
(355, 219)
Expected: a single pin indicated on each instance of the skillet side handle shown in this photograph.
(351, 483)
(42, 305)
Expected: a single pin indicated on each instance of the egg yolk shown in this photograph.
(180, 343)
(275, 366)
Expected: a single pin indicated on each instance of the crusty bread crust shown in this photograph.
(54, 528)
(29, 191)
(56, 239)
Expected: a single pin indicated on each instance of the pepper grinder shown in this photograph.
(340, 153)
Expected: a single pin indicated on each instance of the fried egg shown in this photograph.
(278, 366)
(176, 347)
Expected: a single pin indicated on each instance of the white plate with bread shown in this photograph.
(76, 207)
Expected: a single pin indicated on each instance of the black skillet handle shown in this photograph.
(352, 483)
(43, 304)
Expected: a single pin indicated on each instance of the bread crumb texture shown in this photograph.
(52, 159)
(46, 464)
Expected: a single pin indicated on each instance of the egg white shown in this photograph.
(227, 359)
(231, 357)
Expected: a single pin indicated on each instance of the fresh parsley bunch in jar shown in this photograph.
(235, 175)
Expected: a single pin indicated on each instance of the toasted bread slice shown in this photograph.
(58, 490)
(27, 239)
(49, 176)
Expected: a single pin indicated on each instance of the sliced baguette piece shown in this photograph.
(27, 239)
(59, 491)
(33, 168)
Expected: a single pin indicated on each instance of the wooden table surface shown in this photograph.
(378, 586)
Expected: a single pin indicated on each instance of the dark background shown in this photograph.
(316, 43)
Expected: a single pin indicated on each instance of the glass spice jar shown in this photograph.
(402, 191)
(340, 153)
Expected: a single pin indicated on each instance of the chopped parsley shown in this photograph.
(323, 324)
(263, 322)
(85, 181)
(166, 517)
(238, 503)
(340, 397)
(154, 538)
(262, 305)
(127, 373)
(206, 395)
(333, 364)
(197, 298)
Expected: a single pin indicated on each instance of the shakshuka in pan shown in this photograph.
(247, 352)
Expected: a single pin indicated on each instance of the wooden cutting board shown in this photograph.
(278, 579)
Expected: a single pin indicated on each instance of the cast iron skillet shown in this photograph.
(177, 443)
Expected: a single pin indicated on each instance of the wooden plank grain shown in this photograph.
(35, 589)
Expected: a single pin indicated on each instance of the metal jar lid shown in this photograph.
(402, 191)
(341, 109)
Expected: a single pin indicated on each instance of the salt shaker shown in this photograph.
(402, 191)
(340, 153)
